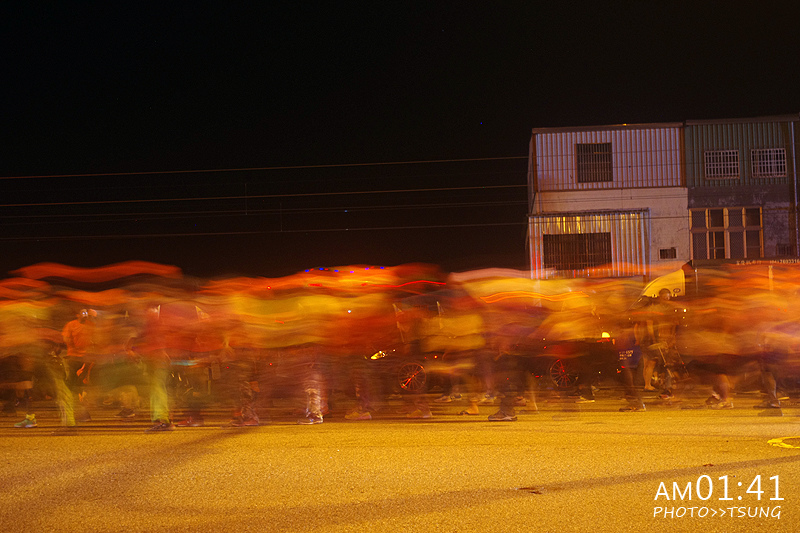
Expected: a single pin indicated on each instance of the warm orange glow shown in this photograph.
(536, 295)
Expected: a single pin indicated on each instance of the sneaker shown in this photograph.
(632, 408)
(28, 422)
(443, 399)
(666, 396)
(160, 426)
(768, 405)
(419, 413)
(84, 417)
(723, 405)
(309, 420)
(191, 422)
(240, 422)
(502, 416)
(584, 399)
(712, 400)
(126, 413)
(488, 399)
(358, 415)
(520, 401)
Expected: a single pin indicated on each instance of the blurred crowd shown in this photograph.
(152, 342)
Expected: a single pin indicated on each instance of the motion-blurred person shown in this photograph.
(627, 344)
(128, 377)
(313, 382)
(455, 338)
(780, 350)
(151, 344)
(79, 337)
(510, 376)
(241, 382)
(720, 350)
(19, 353)
(659, 343)
(16, 369)
(508, 370)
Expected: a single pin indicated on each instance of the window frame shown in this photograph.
(717, 167)
(594, 162)
(773, 159)
(577, 251)
(716, 239)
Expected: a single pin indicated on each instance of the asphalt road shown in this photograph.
(565, 468)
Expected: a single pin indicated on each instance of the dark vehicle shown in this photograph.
(448, 336)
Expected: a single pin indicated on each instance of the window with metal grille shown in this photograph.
(576, 251)
(593, 162)
(668, 253)
(722, 164)
(726, 233)
(768, 162)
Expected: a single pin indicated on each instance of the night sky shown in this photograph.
(263, 141)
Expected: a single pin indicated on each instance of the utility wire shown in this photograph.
(261, 232)
(257, 196)
(251, 169)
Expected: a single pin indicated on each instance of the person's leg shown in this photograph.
(721, 387)
(159, 397)
(648, 368)
(769, 384)
(508, 390)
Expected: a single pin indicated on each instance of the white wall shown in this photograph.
(669, 216)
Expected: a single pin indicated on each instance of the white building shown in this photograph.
(607, 201)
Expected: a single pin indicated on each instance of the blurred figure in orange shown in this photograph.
(152, 345)
(780, 350)
(78, 335)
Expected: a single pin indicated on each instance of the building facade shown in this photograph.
(741, 177)
(606, 201)
(641, 200)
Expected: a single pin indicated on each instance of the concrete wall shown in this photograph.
(669, 218)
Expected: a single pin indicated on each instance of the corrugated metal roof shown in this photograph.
(769, 118)
(558, 129)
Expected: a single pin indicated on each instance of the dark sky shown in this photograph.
(315, 98)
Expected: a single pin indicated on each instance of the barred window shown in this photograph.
(576, 251)
(593, 162)
(722, 164)
(768, 163)
(726, 233)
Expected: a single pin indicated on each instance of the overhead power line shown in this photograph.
(261, 232)
(257, 196)
(252, 169)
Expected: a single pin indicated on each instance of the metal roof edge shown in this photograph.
(767, 118)
(590, 213)
(610, 127)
